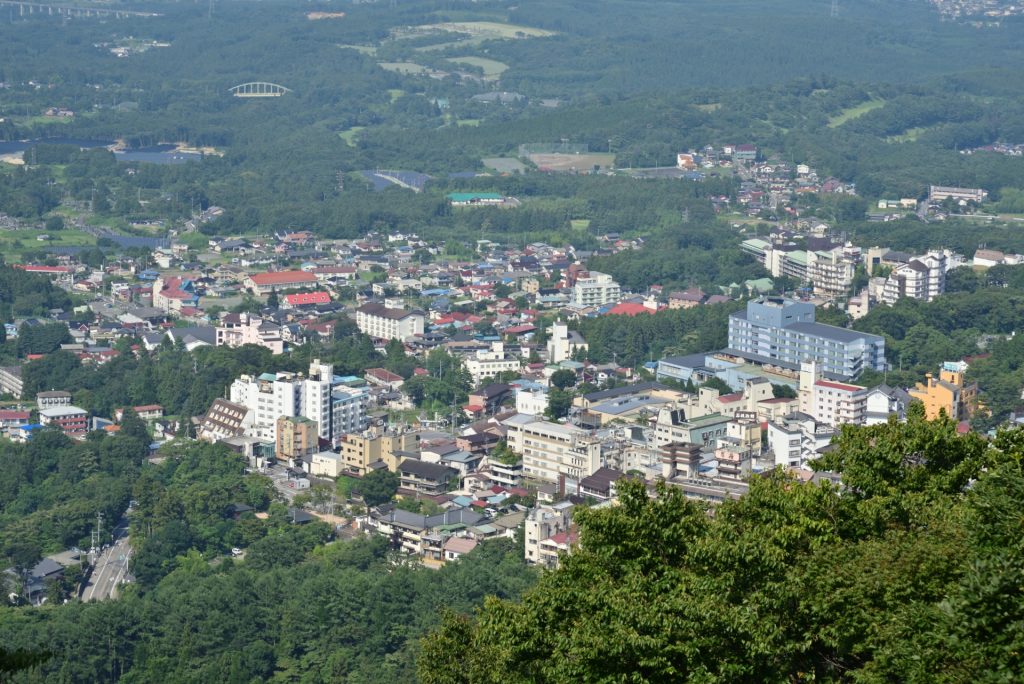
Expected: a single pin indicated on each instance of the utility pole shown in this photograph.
(834, 12)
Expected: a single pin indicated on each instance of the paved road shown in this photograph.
(279, 476)
(111, 567)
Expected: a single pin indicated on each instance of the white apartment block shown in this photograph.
(486, 363)
(377, 320)
(563, 343)
(531, 402)
(349, 407)
(336, 409)
(938, 193)
(922, 278)
(595, 289)
(790, 263)
(831, 271)
(836, 403)
(553, 450)
(796, 439)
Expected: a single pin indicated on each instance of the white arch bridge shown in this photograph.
(258, 89)
(25, 8)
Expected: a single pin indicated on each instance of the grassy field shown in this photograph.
(504, 164)
(712, 107)
(468, 122)
(579, 224)
(33, 120)
(492, 67)
(349, 136)
(853, 112)
(490, 29)
(410, 68)
(395, 93)
(17, 242)
(909, 135)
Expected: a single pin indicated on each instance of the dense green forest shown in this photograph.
(908, 573)
(901, 94)
(299, 607)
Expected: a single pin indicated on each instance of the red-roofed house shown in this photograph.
(629, 309)
(520, 329)
(298, 238)
(172, 293)
(9, 419)
(264, 283)
(382, 377)
(555, 545)
(52, 271)
(306, 298)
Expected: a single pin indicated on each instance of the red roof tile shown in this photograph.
(282, 278)
(308, 298)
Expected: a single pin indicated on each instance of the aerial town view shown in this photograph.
(480, 341)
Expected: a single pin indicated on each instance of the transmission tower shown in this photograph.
(835, 9)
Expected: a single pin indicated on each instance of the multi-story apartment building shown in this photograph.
(922, 278)
(831, 271)
(426, 478)
(781, 332)
(552, 451)
(673, 426)
(486, 363)
(236, 329)
(317, 396)
(563, 343)
(837, 403)
(377, 320)
(796, 439)
(938, 193)
(358, 451)
(828, 402)
(296, 438)
(45, 400)
(349, 407)
(950, 393)
(783, 260)
(544, 522)
(73, 421)
(10, 381)
(595, 289)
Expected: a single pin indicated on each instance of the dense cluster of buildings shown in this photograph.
(831, 270)
(792, 378)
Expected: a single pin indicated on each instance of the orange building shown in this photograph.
(950, 393)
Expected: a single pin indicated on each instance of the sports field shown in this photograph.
(581, 163)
